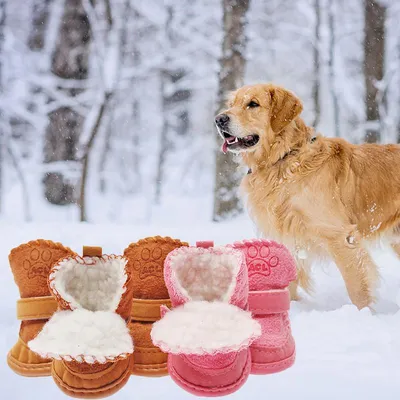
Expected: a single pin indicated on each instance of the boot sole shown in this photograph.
(213, 392)
(155, 371)
(272, 368)
(29, 370)
(98, 393)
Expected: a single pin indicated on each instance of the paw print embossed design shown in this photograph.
(149, 264)
(260, 261)
(38, 263)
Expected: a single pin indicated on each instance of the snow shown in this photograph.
(342, 353)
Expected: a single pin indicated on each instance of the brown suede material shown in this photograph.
(113, 378)
(158, 361)
(92, 251)
(146, 310)
(29, 329)
(84, 368)
(84, 380)
(36, 308)
(141, 333)
(125, 305)
(25, 362)
(30, 264)
(149, 360)
(146, 261)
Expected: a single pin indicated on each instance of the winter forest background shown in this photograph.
(107, 106)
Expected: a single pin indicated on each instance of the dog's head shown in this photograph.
(255, 116)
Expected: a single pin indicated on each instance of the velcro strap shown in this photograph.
(205, 244)
(32, 308)
(148, 310)
(269, 301)
(92, 251)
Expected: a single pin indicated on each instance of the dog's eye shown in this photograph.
(252, 104)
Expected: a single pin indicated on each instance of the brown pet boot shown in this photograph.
(146, 262)
(88, 338)
(30, 264)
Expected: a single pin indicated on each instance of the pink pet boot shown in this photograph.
(271, 268)
(208, 333)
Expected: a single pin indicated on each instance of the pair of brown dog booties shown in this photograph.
(60, 291)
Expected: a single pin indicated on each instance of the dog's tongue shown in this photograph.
(228, 141)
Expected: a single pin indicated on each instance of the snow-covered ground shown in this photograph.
(342, 353)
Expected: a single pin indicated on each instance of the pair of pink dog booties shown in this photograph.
(230, 315)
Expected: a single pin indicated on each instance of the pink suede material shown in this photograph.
(225, 371)
(208, 371)
(269, 301)
(271, 268)
(210, 376)
(205, 244)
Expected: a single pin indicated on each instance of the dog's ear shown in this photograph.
(285, 107)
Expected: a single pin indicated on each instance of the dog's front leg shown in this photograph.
(357, 268)
(303, 278)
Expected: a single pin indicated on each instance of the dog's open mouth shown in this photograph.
(238, 143)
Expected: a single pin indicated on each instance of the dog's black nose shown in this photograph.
(222, 120)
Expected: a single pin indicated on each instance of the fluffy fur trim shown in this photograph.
(84, 336)
(90, 283)
(204, 274)
(204, 328)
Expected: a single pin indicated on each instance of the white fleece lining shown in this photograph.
(204, 275)
(201, 327)
(83, 336)
(91, 283)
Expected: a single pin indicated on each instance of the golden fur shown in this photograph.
(325, 196)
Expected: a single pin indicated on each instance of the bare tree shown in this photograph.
(136, 106)
(40, 17)
(164, 142)
(109, 130)
(175, 99)
(69, 61)
(317, 64)
(232, 66)
(110, 76)
(374, 54)
(36, 42)
(332, 65)
(88, 150)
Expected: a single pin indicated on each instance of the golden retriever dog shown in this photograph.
(317, 195)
